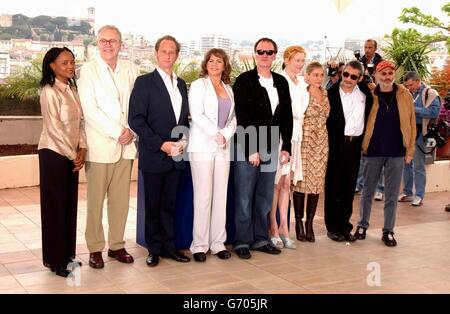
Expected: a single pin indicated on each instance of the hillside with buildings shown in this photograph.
(46, 28)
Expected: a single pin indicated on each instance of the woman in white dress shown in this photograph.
(294, 60)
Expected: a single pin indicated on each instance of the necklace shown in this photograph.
(387, 104)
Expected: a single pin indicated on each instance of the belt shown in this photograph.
(351, 138)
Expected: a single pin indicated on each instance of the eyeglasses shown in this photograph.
(267, 52)
(352, 76)
(112, 42)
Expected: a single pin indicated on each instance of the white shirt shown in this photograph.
(271, 90)
(174, 92)
(353, 105)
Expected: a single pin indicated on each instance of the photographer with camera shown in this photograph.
(334, 72)
(427, 105)
(370, 60)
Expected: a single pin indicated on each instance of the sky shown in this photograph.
(290, 20)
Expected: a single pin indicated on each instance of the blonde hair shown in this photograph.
(313, 65)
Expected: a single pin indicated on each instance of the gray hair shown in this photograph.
(411, 75)
(112, 27)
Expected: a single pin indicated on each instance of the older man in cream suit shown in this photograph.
(105, 86)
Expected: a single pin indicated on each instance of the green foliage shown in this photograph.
(21, 31)
(407, 50)
(189, 72)
(236, 68)
(23, 85)
(20, 19)
(415, 16)
(42, 25)
(61, 21)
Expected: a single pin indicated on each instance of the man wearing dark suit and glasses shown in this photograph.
(158, 104)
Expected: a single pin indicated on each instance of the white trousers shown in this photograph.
(210, 181)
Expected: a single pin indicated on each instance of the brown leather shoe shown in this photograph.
(121, 255)
(96, 260)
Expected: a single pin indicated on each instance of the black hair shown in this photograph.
(275, 47)
(48, 76)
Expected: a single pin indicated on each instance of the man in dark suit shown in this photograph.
(263, 105)
(350, 104)
(158, 104)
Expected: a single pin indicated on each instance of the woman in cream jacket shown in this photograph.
(211, 106)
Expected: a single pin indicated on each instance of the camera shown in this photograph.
(447, 101)
(438, 133)
(357, 54)
(367, 79)
(370, 68)
(332, 71)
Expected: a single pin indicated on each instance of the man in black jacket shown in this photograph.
(350, 104)
(263, 110)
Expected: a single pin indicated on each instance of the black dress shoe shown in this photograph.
(388, 239)
(349, 237)
(269, 249)
(60, 270)
(199, 257)
(360, 233)
(224, 254)
(335, 236)
(243, 253)
(152, 260)
(179, 257)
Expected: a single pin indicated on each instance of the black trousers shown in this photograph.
(59, 199)
(160, 201)
(340, 186)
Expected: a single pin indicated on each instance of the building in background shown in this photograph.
(215, 41)
(5, 65)
(5, 20)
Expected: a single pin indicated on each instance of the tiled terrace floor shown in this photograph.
(419, 264)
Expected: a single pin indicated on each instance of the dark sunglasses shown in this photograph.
(352, 76)
(267, 52)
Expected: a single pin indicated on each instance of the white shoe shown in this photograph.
(277, 242)
(378, 196)
(417, 201)
(288, 243)
(403, 197)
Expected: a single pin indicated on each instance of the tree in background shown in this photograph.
(408, 52)
(440, 80)
(415, 16)
(409, 48)
(23, 85)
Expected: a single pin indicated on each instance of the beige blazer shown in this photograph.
(105, 104)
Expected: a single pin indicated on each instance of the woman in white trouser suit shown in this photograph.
(213, 124)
